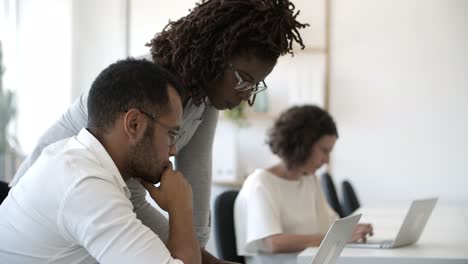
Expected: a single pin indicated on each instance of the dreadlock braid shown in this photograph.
(197, 47)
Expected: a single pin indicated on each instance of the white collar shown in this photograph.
(94, 145)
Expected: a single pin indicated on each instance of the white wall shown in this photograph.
(147, 17)
(400, 98)
(312, 12)
(99, 38)
(61, 47)
(43, 66)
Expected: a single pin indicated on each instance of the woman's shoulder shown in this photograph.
(255, 185)
(260, 178)
(258, 175)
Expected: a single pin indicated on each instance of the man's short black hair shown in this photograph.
(126, 84)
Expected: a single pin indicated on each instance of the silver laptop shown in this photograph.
(335, 240)
(411, 229)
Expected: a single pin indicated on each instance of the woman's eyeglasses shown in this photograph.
(247, 86)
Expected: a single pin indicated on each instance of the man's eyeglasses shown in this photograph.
(248, 86)
(173, 135)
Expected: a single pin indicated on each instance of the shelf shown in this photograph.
(260, 115)
(232, 184)
(251, 115)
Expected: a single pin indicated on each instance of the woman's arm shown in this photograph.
(194, 161)
(284, 243)
(147, 214)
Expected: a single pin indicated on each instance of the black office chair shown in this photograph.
(4, 189)
(329, 190)
(350, 200)
(224, 227)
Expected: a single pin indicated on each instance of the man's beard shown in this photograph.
(142, 159)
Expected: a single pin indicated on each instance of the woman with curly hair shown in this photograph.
(221, 52)
(281, 209)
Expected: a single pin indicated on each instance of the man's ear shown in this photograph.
(134, 125)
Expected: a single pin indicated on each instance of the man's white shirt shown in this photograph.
(72, 206)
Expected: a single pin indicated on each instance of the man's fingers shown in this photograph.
(169, 167)
(148, 185)
(153, 190)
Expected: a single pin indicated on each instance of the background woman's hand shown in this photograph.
(361, 231)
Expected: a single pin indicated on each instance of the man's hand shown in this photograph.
(361, 231)
(174, 192)
(174, 195)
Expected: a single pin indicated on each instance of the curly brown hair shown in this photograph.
(297, 130)
(197, 47)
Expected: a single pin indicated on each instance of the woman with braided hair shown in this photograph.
(221, 53)
(207, 47)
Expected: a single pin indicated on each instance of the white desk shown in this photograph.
(444, 240)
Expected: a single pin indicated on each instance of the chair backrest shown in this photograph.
(224, 227)
(4, 189)
(350, 200)
(329, 190)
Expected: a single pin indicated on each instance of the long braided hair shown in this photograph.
(196, 48)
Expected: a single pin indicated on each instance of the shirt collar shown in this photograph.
(93, 145)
